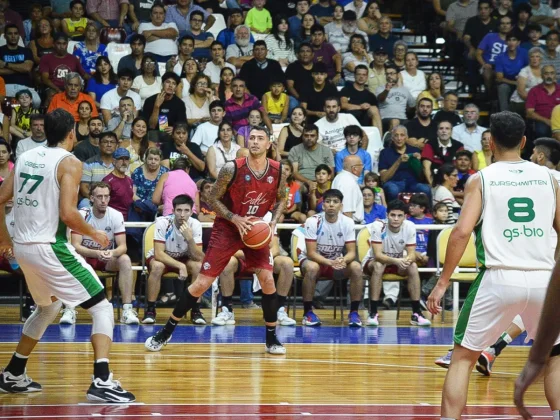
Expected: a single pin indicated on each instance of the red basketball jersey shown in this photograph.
(248, 195)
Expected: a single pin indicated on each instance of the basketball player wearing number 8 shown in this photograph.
(245, 188)
(511, 205)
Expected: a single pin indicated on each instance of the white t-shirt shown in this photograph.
(415, 84)
(186, 87)
(112, 223)
(213, 71)
(223, 156)
(27, 144)
(332, 134)
(175, 244)
(330, 237)
(110, 101)
(161, 46)
(205, 135)
(145, 90)
(440, 194)
(394, 243)
(353, 201)
(531, 82)
(193, 111)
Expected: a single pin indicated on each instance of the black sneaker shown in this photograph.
(157, 341)
(197, 318)
(18, 384)
(108, 391)
(149, 317)
(388, 303)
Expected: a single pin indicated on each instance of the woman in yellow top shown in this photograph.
(276, 103)
(75, 26)
(435, 90)
(483, 158)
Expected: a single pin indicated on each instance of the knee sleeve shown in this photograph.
(103, 319)
(270, 307)
(519, 322)
(40, 319)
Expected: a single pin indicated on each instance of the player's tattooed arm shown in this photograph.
(219, 189)
(281, 198)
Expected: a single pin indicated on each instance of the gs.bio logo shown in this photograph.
(521, 210)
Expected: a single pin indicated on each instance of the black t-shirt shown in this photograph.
(418, 131)
(300, 75)
(169, 151)
(16, 56)
(142, 9)
(174, 109)
(84, 150)
(316, 100)
(358, 97)
(521, 34)
(452, 117)
(477, 30)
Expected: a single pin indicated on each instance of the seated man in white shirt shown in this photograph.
(37, 138)
(327, 234)
(213, 68)
(114, 257)
(177, 249)
(347, 181)
(331, 126)
(110, 102)
(160, 36)
(469, 132)
(389, 239)
(207, 133)
(282, 266)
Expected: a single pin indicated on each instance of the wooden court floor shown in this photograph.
(222, 378)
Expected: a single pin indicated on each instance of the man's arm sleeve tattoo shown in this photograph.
(220, 187)
(281, 197)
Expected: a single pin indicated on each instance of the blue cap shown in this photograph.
(120, 153)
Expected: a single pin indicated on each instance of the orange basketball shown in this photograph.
(259, 235)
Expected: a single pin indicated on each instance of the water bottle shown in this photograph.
(13, 263)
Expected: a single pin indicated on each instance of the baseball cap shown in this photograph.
(380, 51)
(120, 153)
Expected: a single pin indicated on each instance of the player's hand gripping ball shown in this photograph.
(259, 236)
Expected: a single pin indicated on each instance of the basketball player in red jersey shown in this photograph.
(246, 187)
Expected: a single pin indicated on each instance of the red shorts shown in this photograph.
(97, 264)
(389, 269)
(324, 270)
(226, 241)
(167, 269)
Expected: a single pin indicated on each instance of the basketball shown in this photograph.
(259, 235)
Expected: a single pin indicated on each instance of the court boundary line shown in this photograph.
(450, 345)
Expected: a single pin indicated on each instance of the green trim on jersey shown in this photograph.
(61, 232)
(76, 269)
(479, 244)
(464, 315)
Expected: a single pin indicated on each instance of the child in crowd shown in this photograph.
(417, 208)
(293, 204)
(75, 25)
(276, 103)
(463, 163)
(29, 25)
(323, 175)
(371, 179)
(258, 19)
(20, 122)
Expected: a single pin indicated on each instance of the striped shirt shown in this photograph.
(278, 50)
(95, 170)
(238, 114)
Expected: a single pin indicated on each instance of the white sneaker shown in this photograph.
(275, 349)
(68, 316)
(284, 319)
(224, 318)
(373, 321)
(129, 317)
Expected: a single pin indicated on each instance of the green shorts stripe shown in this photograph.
(76, 269)
(465, 313)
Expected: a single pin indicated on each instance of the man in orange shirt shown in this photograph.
(72, 96)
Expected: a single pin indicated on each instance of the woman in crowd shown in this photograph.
(20, 122)
(89, 50)
(307, 22)
(529, 77)
(43, 40)
(5, 165)
(103, 80)
(369, 22)
(372, 210)
(146, 177)
(400, 49)
(279, 44)
(75, 25)
(412, 78)
(173, 183)
(180, 146)
(224, 88)
(190, 70)
(435, 90)
(336, 23)
(198, 101)
(254, 118)
(147, 83)
(82, 125)
(483, 158)
(291, 135)
(138, 143)
(356, 54)
(294, 200)
(445, 181)
(222, 151)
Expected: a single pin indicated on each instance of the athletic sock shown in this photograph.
(17, 364)
(101, 369)
(416, 308)
(281, 301)
(151, 307)
(195, 309)
(127, 306)
(271, 335)
(226, 301)
(354, 306)
(170, 326)
(502, 343)
(307, 306)
(373, 304)
(556, 415)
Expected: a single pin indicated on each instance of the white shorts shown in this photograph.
(493, 301)
(57, 270)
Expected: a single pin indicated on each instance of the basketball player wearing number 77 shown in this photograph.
(509, 195)
(246, 187)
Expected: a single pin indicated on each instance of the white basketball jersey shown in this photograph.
(518, 207)
(330, 237)
(175, 244)
(112, 223)
(394, 243)
(36, 196)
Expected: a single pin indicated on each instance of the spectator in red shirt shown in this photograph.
(121, 184)
(439, 151)
(541, 100)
